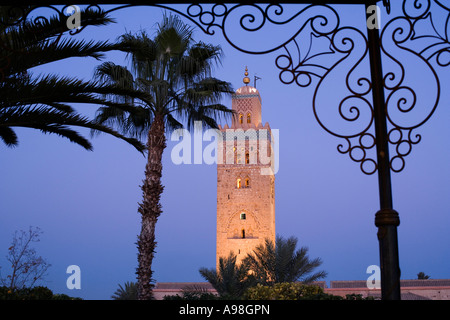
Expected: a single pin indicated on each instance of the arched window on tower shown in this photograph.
(247, 157)
(238, 183)
(243, 233)
(249, 118)
(241, 118)
(247, 182)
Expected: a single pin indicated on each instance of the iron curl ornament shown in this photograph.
(319, 52)
(341, 65)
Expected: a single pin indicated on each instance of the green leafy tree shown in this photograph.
(295, 291)
(43, 101)
(283, 291)
(282, 262)
(174, 75)
(230, 280)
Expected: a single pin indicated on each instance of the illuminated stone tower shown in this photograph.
(245, 178)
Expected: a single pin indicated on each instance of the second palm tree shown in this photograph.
(174, 72)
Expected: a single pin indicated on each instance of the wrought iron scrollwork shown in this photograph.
(318, 52)
(320, 58)
(405, 36)
(343, 70)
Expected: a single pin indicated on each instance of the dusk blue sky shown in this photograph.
(86, 202)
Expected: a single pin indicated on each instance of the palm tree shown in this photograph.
(128, 292)
(175, 74)
(230, 280)
(281, 262)
(42, 102)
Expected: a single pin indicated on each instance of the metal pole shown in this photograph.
(386, 219)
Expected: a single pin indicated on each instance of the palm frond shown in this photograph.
(8, 136)
(283, 262)
(134, 120)
(41, 41)
(46, 121)
(43, 102)
(142, 51)
(29, 32)
(199, 61)
(172, 124)
(112, 74)
(175, 74)
(173, 36)
(128, 292)
(61, 106)
(57, 122)
(54, 91)
(230, 279)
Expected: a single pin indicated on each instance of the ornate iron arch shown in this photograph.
(377, 122)
(303, 65)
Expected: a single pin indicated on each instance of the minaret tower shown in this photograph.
(245, 179)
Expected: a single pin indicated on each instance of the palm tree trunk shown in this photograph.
(150, 208)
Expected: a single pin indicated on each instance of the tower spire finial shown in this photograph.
(246, 78)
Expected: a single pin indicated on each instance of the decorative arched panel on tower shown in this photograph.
(243, 220)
